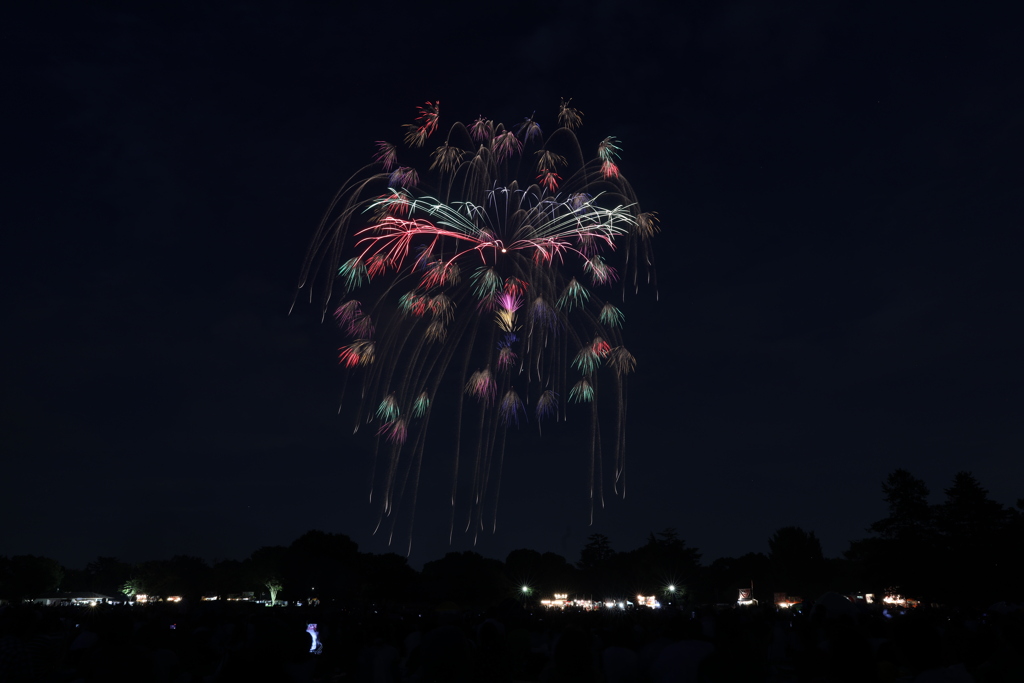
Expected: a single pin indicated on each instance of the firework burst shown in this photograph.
(478, 291)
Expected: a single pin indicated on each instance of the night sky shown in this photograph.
(839, 186)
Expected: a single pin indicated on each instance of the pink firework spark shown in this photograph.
(347, 312)
(505, 145)
(395, 431)
(506, 357)
(509, 301)
(481, 385)
(350, 317)
(482, 129)
(404, 176)
(387, 155)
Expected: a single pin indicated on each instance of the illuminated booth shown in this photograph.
(746, 597)
(785, 601)
(87, 598)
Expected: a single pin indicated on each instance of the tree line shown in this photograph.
(967, 549)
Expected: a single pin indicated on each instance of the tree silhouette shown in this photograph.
(226, 577)
(106, 575)
(910, 515)
(595, 553)
(973, 529)
(466, 578)
(133, 587)
(264, 565)
(322, 563)
(595, 564)
(727, 574)
(664, 560)
(968, 517)
(797, 562)
(386, 578)
(967, 549)
(909, 553)
(185, 576)
(544, 573)
(27, 576)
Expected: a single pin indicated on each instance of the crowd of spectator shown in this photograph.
(213, 643)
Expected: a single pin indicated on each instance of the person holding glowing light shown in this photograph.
(316, 647)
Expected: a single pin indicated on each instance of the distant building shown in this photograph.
(247, 596)
(75, 598)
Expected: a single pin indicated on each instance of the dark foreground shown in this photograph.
(227, 643)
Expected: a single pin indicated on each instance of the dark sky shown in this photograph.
(840, 194)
